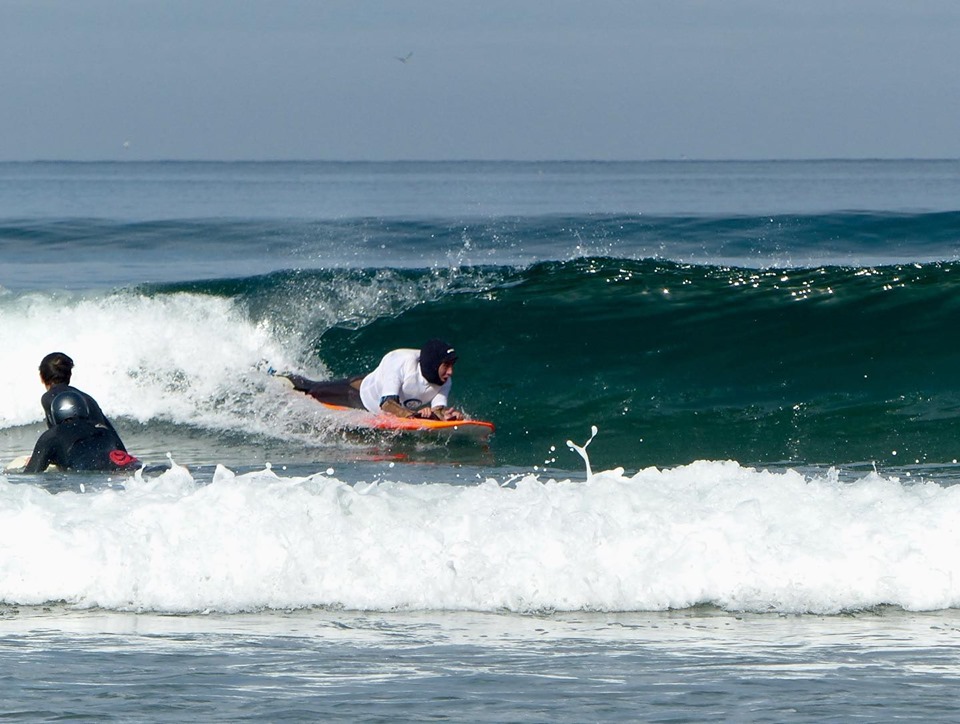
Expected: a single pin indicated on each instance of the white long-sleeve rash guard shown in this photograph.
(399, 374)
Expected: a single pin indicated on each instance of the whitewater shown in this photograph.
(763, 527)
(709, 533)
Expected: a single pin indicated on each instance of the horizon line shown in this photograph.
(823, 159)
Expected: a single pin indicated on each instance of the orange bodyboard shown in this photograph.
(368, 420)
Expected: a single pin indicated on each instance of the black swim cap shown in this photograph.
(68, 405)
(432, 355)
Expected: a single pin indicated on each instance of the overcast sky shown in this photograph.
(487, 79)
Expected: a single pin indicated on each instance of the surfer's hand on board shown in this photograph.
(438, 413)
(447, 413)
(393, 407)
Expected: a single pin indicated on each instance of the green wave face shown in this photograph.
(675, 363)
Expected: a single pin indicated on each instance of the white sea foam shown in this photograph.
(705, 533)
(186, 358)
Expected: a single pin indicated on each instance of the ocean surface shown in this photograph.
(723, 484)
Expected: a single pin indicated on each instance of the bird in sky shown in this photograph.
(405, 58)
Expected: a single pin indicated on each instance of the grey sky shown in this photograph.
(488, 79)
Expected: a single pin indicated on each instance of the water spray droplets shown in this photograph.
(582, 451)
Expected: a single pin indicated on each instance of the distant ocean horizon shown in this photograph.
(764, 526)
(585, 159)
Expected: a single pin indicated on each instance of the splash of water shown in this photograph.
(582, 450)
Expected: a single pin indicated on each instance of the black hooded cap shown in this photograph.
(432, 355)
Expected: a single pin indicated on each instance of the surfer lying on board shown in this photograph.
(79, 435)
(406, 383)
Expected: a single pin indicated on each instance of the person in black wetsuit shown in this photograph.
(75, 442)
(79, 436)
(56, 369)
